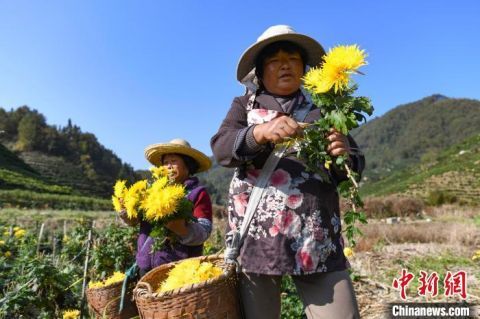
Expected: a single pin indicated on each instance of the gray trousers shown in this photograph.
(324, 295)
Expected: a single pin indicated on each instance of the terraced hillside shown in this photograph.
(452, 176)
(22, 186)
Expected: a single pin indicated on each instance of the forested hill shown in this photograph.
(63, 156)
(416, 132)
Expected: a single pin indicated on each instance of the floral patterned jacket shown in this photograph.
(296, 228)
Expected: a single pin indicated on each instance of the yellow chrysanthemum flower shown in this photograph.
(16, 228)
(117, 205)
(348, 252)
(95, 284)
(476, 255)
(8, 254)
(71, 314)
(119, 191)
(134, 197)
(115, 278)
(2, 242)
(159, 172)
(161, 200)
(339, 63)
(119, 188)
(19, 233)
(6, 233)
(188, 272)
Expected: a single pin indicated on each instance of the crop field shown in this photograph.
(43, 252)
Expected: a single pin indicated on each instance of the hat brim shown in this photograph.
(314, 51)
(154, 154)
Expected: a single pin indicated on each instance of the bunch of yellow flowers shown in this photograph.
(115, 278)
(157, 199)
(188, 272)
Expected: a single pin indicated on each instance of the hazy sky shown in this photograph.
(141, 72)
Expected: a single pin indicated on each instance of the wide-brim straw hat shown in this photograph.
(155, 152)
(273, 34)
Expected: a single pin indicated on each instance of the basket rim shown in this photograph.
(227, 272)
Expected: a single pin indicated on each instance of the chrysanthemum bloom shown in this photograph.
(119, 190)
(19, 233)
(476, 255)
(161, 200)
(8, 254)
(133, 197)
(339, 63)
(116, 277)
(188, 272)
(71, 314)
(348, 252)
(158, 172)
(2, 242)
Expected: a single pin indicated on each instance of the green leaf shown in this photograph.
(339, 121)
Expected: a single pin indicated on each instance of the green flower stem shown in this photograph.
(350, 175)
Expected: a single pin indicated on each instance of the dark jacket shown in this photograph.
(296, 228)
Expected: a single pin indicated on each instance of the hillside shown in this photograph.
(417, 131)
(451, 176)
(21, 186)
(63, 156)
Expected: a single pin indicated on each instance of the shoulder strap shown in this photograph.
(236, 237)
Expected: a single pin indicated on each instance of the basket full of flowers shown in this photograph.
(104, 297)
(201, 287)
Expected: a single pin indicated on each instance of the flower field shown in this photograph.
(42, 271)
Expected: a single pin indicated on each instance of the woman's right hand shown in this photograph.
(129, 221)
(276, 130)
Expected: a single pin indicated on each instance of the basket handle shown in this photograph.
(145, 285)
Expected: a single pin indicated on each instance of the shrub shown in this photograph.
(440, 197)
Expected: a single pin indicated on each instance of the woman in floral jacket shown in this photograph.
(296, 228)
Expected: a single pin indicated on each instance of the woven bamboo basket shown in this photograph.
(105, 302)
(213, 299)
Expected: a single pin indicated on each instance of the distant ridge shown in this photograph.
(424, 128)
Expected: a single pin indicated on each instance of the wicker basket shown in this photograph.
(105, 302)
(214, 299)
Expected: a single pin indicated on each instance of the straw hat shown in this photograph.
(279, 33)
(154, 153)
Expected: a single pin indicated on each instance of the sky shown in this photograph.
(136, 73)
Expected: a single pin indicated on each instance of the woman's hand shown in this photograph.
(178, 226)
(338, 143)
(276, 130)
(129, 221)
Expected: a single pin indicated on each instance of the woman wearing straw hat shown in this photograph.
(283, 220)
(183, 162)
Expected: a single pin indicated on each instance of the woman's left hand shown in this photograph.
(178, 226)
(338, 143)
